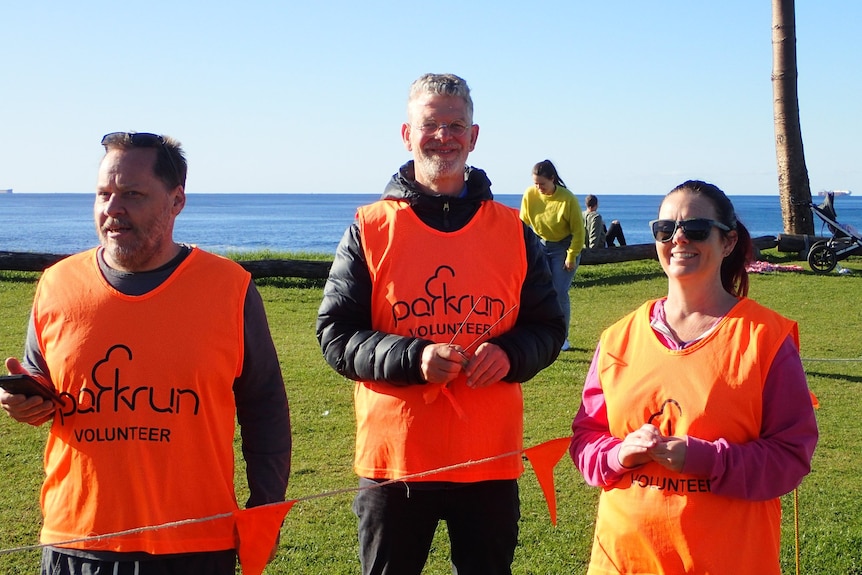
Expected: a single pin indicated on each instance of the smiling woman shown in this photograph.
(685, 243)
(736, 436)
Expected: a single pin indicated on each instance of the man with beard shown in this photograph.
(439, 303)
(153, 347)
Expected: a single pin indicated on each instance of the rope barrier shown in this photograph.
(321, 495)
(357, 489)
(796, 526)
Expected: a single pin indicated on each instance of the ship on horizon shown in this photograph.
(5, 190)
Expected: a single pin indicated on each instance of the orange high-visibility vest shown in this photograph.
(425, 284)
(657, 521)
(145, 436)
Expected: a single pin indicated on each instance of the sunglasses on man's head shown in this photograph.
(141, 140)
(137, 139)
(695, 229)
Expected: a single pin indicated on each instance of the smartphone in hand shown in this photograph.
(23, 384)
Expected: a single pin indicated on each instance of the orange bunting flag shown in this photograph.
(258, 530)
(814, 401)
(432, 392)
(543, 458)
(447, 393)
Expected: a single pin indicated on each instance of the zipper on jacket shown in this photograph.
(446, 216)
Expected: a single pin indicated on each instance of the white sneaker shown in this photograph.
(566, 346)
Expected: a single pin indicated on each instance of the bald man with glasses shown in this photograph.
(439, 304)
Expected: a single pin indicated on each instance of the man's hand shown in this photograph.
(490, 364)
(34, 410)
(441, 363)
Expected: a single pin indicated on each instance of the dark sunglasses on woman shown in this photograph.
(695, 229)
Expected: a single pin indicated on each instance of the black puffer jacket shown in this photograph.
(358, 352)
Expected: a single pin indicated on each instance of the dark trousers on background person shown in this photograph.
(615, 232)
(397, 524)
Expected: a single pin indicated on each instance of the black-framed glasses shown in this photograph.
(456, 128)
(142, 140)
(695, 229)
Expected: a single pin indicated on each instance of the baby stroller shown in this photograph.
(845, 241)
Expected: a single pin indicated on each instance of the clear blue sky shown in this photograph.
(289, 96)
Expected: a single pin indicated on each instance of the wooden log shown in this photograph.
(287, 268)
(36, 262)
(798, 243)
(764, 242)
(27, 261)
(631, 252)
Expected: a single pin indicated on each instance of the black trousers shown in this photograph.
(397, 524)
(213, 563)
(615, 232)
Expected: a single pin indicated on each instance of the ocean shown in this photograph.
(62, 223)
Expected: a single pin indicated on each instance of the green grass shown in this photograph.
(319, 535)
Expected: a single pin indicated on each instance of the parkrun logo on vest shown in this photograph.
(439, 302)
(108, 394)
(669, 412)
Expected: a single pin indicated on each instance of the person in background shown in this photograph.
(594, 227)
(597, 234)
(554, 214)
(439, 303)
(153, 347)
(696, 415)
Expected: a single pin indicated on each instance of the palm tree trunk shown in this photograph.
(793, 185)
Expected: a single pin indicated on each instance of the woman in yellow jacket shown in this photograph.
(555, 215)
